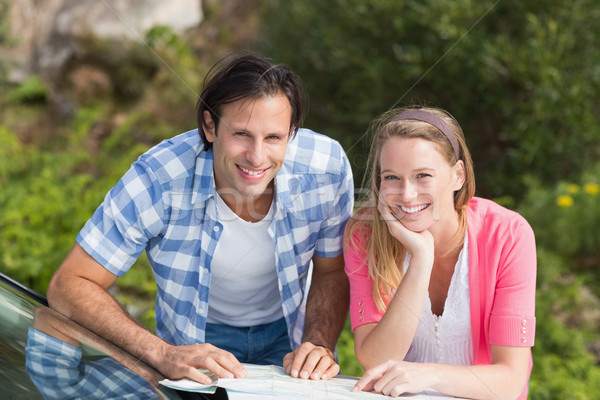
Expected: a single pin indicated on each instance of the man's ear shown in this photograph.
(209, 127)
(459, 174)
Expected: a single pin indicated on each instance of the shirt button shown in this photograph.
(216, 229)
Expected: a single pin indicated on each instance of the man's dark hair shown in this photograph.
(248, 75)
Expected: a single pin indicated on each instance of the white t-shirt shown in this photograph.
(244, 289)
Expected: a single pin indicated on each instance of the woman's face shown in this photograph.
(418, 184)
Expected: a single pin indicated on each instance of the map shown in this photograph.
(270, 381)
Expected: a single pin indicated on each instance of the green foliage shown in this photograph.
(32, 90)
(345, 348)
(515, 74)
(562, 366)
(40, 213)
(48, 195)
(181, 68)
(5, 36)
(566, 217)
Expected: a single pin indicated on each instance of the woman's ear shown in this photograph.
(459, 175)
(209, 127)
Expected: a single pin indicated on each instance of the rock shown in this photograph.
(48, 33)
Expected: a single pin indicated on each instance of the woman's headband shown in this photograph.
(433, 120)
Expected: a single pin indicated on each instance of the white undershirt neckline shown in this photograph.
(244, 288)
(446, 339)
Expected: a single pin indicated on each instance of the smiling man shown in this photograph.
(242, 221)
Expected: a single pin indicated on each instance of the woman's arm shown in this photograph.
(505, 378)
(392, 336)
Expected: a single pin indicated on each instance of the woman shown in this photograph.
(442, 283)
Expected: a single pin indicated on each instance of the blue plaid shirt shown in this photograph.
(165, 204)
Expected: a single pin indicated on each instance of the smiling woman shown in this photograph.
(442, 283)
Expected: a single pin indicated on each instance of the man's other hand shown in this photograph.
(310, 361)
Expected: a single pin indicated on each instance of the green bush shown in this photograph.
(515, 74)
(32, 90)
(345, 347)
(566, 216)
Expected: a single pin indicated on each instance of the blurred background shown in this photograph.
(87, 86)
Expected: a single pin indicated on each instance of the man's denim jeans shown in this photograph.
(261, 344)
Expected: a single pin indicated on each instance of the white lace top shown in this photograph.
(446, 339)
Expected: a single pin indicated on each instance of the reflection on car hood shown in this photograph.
(46, 355)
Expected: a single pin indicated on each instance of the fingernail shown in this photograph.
(315, 375)
(304, 375)
(324, 376)
(295, 373)
(228, 375)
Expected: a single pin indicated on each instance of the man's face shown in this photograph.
(249, 147)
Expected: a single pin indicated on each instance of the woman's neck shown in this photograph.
(446, 235)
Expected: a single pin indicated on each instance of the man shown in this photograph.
(231, 216)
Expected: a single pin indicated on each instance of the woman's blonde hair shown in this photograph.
(384, 254)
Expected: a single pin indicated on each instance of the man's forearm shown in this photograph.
(326, 308)
(90, 305)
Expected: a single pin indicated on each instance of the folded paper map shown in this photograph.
(270, 381)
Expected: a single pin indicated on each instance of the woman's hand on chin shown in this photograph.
(417, 243)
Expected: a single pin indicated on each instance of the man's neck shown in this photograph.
(251, 209)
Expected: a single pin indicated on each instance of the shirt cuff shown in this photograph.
(512, 331)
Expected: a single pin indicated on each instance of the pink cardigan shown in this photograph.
(502, 279)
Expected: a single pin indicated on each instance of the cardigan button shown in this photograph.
(523, 330)
(523, 340)
(361, 303)
(524, 322)
(361, 311)
(361, 319)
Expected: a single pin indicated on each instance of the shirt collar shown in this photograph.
(203, 186)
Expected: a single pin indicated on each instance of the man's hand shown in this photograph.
(310, 361)
(183, 362)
